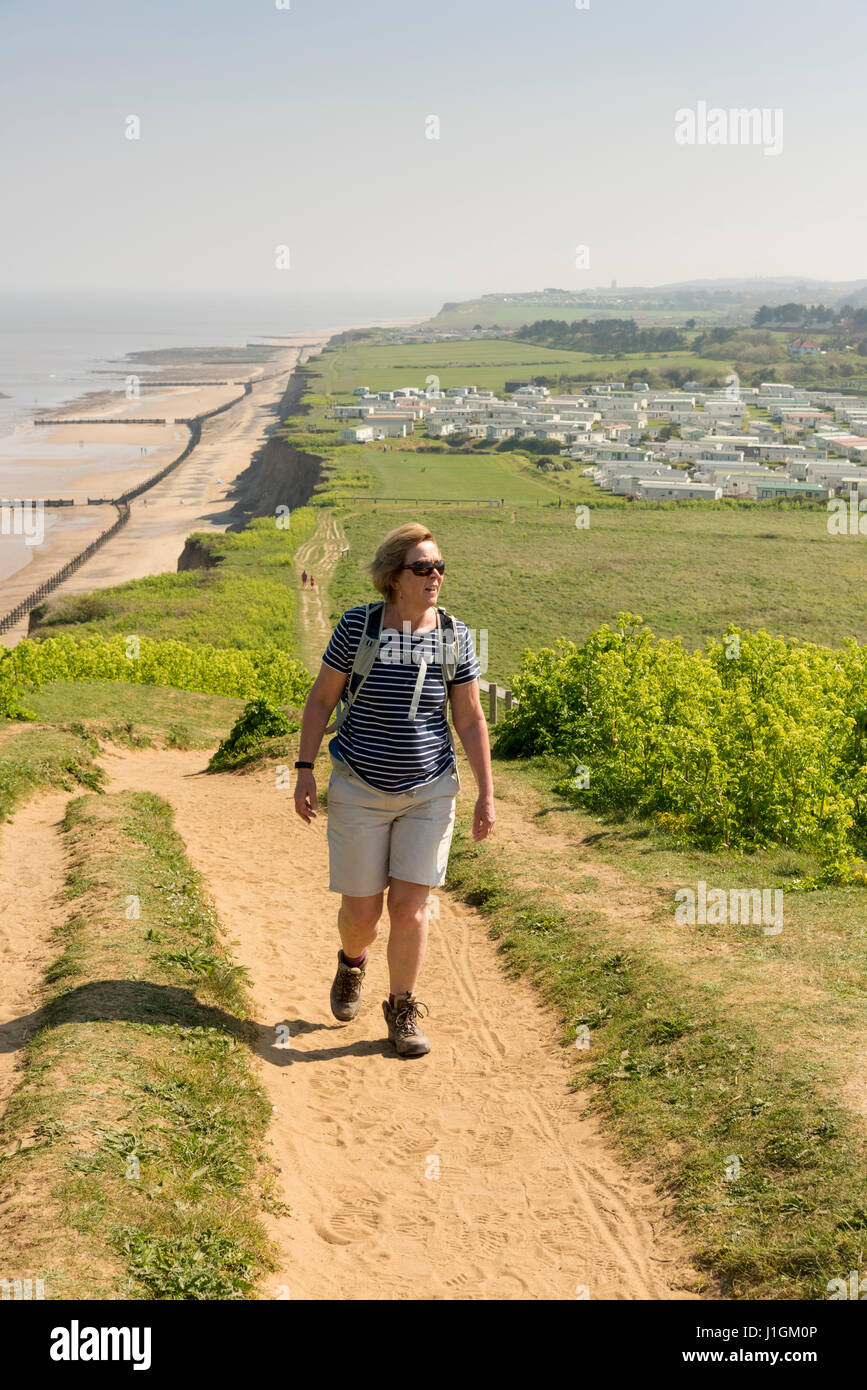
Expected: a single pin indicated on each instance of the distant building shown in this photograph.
(787, 487)
(661, 490)
(801, 347)
(392, 424)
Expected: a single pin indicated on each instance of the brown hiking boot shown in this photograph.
(403, 1029)
(346, 990)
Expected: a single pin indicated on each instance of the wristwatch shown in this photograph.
(304, 764)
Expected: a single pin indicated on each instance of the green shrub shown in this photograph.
(754, 742)
(257, 722)
(11, 691)
(265, 672)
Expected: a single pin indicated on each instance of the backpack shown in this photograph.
(366, 653)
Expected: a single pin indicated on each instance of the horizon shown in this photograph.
(374, 293)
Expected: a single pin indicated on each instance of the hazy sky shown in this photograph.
(306, 126)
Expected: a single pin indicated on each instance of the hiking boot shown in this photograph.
(346, 990)
(403, 1029)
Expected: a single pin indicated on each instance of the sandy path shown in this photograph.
(318, 557)
(529, 1201)
(32, 873)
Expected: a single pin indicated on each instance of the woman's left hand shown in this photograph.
(483, 817)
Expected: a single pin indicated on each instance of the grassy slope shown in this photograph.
(536, 577)
(247, 600)
(137, 715)
(34, 757)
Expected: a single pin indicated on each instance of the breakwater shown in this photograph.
(194, 424)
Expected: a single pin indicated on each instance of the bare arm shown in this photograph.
(472, 730)
(324, 694)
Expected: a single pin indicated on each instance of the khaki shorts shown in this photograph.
(374, 836)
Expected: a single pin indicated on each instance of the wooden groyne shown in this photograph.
(35, 598)
(122, 503)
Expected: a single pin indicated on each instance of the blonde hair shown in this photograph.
(391, 555)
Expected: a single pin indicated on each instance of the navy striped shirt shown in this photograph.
(376, 739)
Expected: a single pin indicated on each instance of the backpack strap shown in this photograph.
(362, 665)
(451, 648)
(448, 630)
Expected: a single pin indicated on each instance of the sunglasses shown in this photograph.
(426, 567)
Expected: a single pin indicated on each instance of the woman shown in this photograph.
(394, 778)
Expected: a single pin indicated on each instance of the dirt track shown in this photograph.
(529, 1201)
(32, 874)
(318, 557)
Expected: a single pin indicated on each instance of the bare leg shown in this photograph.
(358, 922)
(407, 940)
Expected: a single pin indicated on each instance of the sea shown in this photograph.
(54, 347)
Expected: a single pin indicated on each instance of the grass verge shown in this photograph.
(130, 1153)
(35, 757)
(137, 716)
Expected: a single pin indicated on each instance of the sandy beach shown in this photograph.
(99, 460)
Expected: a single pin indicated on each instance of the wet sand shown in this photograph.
(192, 498)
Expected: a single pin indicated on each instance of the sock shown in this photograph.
(353, 960)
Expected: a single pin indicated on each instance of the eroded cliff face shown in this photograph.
(290, 401)
(278, 475)
(196, 556)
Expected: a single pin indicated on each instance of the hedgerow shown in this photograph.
(246, 674)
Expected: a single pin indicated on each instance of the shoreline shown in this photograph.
(193, 497)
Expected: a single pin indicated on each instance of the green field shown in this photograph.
(482, 363)
(488, 362)
(477, 476)
(688, 572)
(523, 571)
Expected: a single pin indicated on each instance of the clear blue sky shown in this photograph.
(306, 126)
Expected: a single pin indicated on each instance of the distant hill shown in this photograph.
(724, 301)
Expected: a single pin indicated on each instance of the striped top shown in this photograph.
(376, 739)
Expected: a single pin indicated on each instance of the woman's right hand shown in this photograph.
(306, 796)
